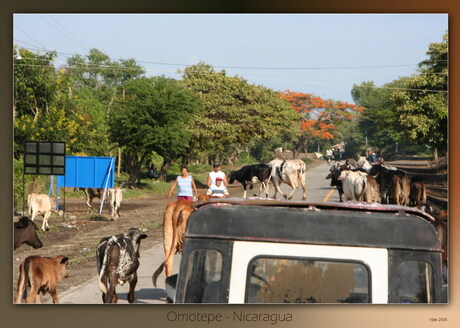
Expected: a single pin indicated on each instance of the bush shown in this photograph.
(245, 159)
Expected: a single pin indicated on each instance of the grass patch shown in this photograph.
(155, 226)
(96, 217)
(81, 259)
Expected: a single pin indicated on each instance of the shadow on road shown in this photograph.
(152, 294)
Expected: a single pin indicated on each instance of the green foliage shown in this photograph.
(245, 158)
(198, 168)
(154, 116)
(422, 110)
(34, 82)
(379, 123)
(234, 115)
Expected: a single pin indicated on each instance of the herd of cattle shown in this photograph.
(118, 256)
(359, 180)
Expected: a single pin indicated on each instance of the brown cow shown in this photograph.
(25, 232)
(174, 223)
(41, 274)
(417, 195)
(92, 193)
(372, 192)
(399, 190)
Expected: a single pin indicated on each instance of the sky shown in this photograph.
(320, 54)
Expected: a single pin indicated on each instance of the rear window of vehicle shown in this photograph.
(416, 282)
(304, 280)
(203, 276)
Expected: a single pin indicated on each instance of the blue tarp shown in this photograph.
(88, 172)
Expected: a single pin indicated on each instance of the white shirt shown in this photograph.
(215, 175)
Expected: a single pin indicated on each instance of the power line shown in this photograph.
(64, 31)
(278, 68)
(334, 84)
(172, 71)
(43, 48)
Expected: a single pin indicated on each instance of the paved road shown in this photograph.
(318, 190)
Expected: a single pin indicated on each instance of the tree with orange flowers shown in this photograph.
(318, 117)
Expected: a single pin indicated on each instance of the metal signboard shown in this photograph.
(88, 172)
(44, 157)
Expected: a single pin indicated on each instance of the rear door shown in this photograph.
(264, 272)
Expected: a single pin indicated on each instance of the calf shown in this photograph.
(42, 204)
(417, 195)
(116, 196)
(92, 193)
(399, 190)
(291, 172)
(117, 262)
(41, 274)
(25, 232)
(248, 175)
(354, 184)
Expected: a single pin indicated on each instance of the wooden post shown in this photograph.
(119, 162)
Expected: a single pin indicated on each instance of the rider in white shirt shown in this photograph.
(216, 173)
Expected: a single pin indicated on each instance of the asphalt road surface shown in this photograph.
(318, 190)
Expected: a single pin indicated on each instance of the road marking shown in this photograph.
(328, 195)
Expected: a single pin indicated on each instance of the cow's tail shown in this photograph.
(157, 273)
(102, 286)
(22, 281)
(267, 184)
(102, 272)
(365, 186)
(424, 193)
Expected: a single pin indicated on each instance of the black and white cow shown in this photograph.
(251, 174)
(117, 262)
(334, 176)
(291, 172)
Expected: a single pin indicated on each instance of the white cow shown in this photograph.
(363, 163)
(354, 185)
(289, 171)
(41, 204)
(116, 196)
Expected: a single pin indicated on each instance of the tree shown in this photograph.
(422, 108)
(318, 117)
(380, 121)
(39, 112)
(235, 114)
(155, 115)
(90, 85)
